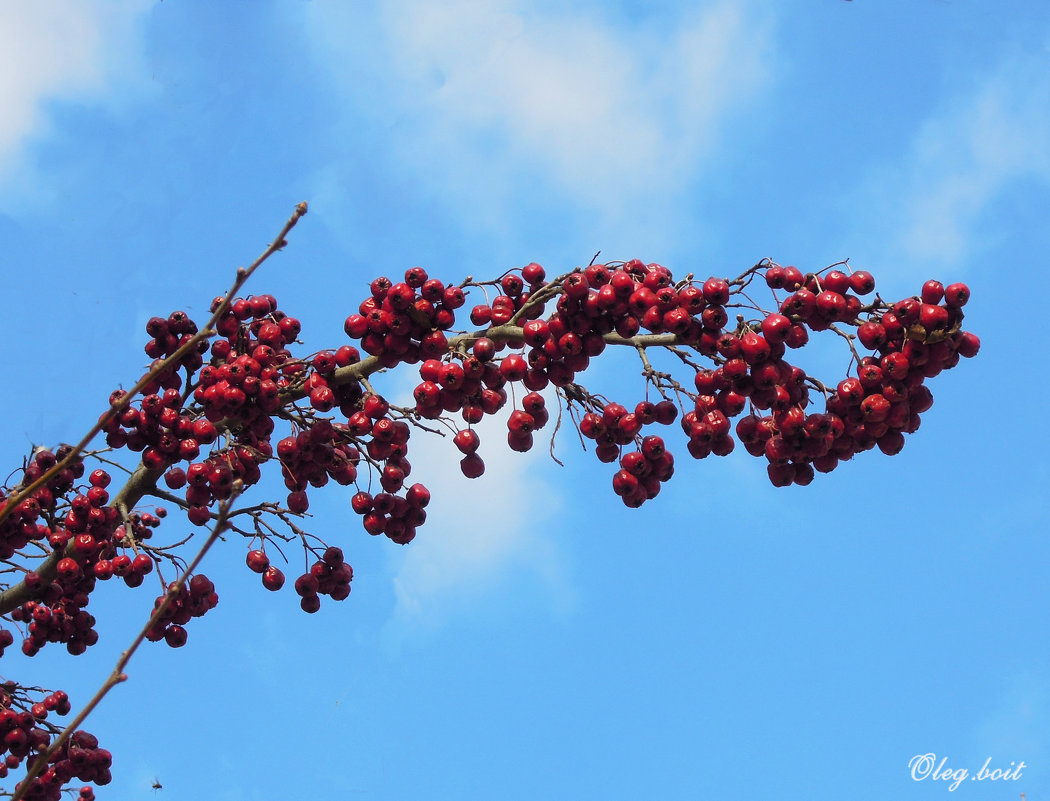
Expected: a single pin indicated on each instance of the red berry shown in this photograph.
(837, 281)
(716, 291)
(969, 344)
(418, 496)
(273, 579)
(754, 348)
(533, 273)
(175, 636)
(298, 502)
(932, 292)
(142, 564)
(257, 561)
(484, 349)
(862, 282)
(472, 465)
(956, 295)
(775, 328)
(467, 441)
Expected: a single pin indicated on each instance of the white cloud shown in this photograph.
(56, 50)
(483, 97)
(966, 155)
(479, 531)
(489, 107)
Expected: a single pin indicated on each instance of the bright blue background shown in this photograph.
(729, 640)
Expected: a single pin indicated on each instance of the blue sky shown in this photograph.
(537, 640)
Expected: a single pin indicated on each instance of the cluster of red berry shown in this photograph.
(25, 734)
(208, 434)
(22, 524)
(181, 603)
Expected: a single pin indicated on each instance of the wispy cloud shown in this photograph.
(58, 51)
(491, 101)
(990, 134)
(499, 107)
(482, 533)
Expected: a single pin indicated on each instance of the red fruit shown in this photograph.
(122, 565)
(775, 328)
(273, 579)
(871, 335)
(426, 394)
(430, 370)
(754, 348)
(969, 345)
(635, 463)
(875, 408)
(322, 399)
(375, 406)
(862, 282)
(831, 305)
(466, 440)
(895, 366)
(891, 443)
(837, 281)
(792, 277)
(907, 311)
(851, 390)
(361, 503)
(257, 561)
(800, 304)
(932, 292)
(514, 367)
(453, 298)
(576, 287)
(418, 496)
(933, 317)
(533, 273)
(956, 295)
(643, 410)
(175, 478)
(175, 636)
(716, 291)
(803, 474)
(142, 565)
(204, 431)
(472, 465)
(781, 475)
(535, 333)
(511, 285)
(99, 478)
(520, 421)
(298, 502)
(775, 277)
(797, 337)
(597, 275)
(520, 441)
(653, 447)
(624, 483)
(629, 425)
(68, 569)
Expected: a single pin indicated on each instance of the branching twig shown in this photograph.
(118, 675)
(243, 274)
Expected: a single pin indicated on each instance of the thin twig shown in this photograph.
(117, 676)
(243, 274)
